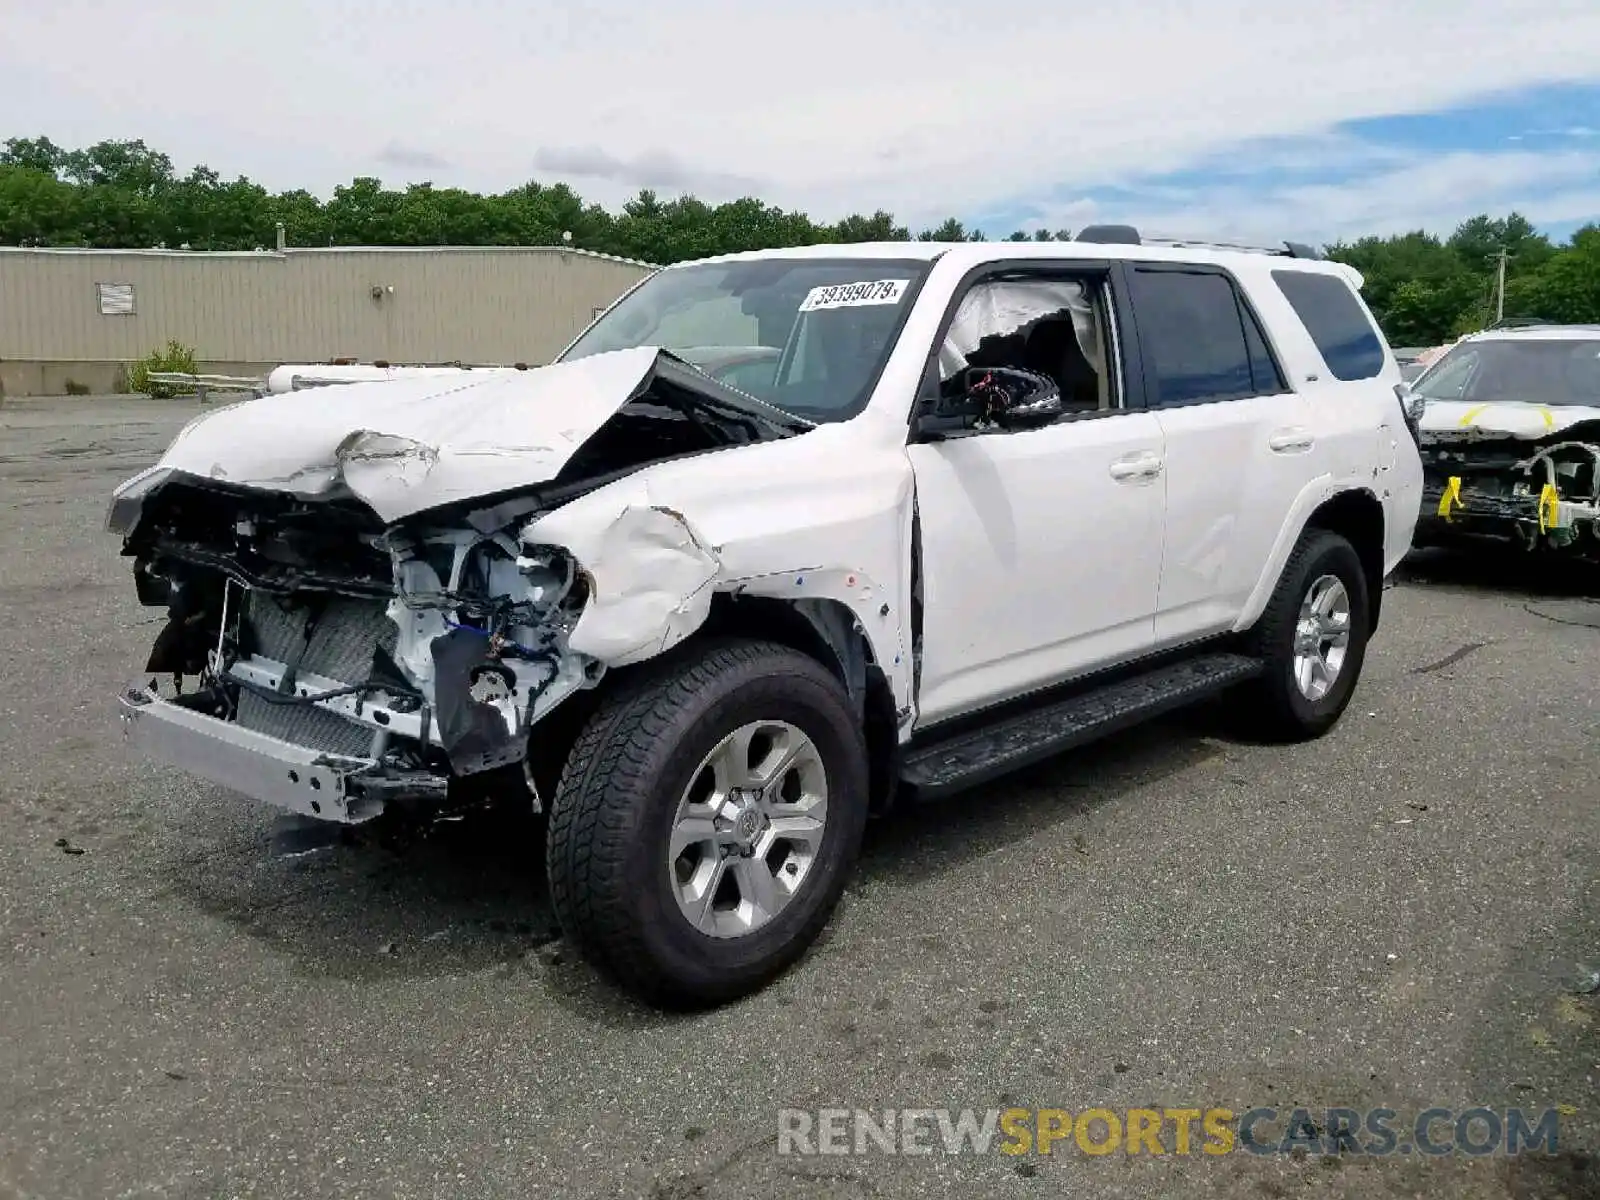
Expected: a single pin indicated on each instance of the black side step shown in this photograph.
(976, 756)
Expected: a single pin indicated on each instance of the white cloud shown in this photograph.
(927, 108)
(407, 158)
(1435, 194)
(657, 169)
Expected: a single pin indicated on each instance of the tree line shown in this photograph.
(124, 194)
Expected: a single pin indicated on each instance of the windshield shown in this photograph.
(809, 336)
(1558, 371)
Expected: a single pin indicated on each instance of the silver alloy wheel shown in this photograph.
(1321, 637)
(748, 829)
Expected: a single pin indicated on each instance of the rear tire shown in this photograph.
(1312, 638)
(675, 758)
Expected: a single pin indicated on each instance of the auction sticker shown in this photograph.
(853, 295)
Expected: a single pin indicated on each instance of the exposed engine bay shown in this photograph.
(340, 663)
(1539, 494)
(1510, 439)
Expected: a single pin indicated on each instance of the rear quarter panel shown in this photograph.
(1361, 441)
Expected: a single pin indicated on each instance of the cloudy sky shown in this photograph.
(1245, 118)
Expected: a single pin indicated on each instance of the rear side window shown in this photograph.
(1333, 317)
(1200, 341)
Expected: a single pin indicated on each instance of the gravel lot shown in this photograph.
(1396, 915)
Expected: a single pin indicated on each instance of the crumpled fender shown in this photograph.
(650, 577)
(804, 519)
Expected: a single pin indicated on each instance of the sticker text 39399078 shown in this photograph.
(852, 295)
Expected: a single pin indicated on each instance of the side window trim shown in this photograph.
(1278, 385)
(1243, 307)
(1127, 383)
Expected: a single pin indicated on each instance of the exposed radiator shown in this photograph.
(346, 634)
(342, 644)
(304, 725)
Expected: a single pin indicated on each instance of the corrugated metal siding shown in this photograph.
(496, 304)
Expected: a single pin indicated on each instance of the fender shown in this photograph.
(1312, 496)
(813, 518)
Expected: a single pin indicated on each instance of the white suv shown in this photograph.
(781, 537)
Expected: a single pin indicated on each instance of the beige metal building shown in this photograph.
(83, 315)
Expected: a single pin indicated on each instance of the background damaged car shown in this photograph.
(779, 538)
(1510, 435)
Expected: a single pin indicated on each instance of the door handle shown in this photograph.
(1290, 441)
(1143, 465)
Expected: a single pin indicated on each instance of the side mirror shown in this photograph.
(957, 407)
(1012, 398)
(1411, 407)
(1034, 411)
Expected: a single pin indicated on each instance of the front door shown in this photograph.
(1040, 548)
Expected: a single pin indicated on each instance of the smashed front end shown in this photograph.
(318, 661)
(359, 621)
(1535, 493)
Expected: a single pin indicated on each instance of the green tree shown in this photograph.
(37, 154)
(118, 194)
(951, 231)
(1477, 243)
(1566, 287)
(879, 227)
(132, 166)
(1417, 286)
(37, 209)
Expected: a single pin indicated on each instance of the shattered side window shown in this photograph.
(1049, 326)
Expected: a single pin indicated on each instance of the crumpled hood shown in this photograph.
(407, 445)
(1456, 420)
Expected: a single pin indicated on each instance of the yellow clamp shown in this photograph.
(1451, 498)
(1549, 508)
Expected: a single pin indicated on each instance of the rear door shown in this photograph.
(1240, 444)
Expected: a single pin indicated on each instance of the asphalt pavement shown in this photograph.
(1399, 915)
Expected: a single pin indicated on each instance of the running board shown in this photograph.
(976, 756)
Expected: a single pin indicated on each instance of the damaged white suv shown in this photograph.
(780, 537)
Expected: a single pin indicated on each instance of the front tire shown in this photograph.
(707, 820)
(1312, 638)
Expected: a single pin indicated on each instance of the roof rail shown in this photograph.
(1128, 235)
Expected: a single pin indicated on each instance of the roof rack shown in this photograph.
(1128, 235)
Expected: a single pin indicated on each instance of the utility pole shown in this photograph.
(1500, 288)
